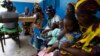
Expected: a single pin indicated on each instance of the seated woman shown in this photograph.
(37, 29)
(52, 19)
(52, 24)
(88, 45)
(71, 32)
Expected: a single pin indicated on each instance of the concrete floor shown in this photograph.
(12, 49)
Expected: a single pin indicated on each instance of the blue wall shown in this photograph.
(21, 5)
(59, 5)
(63, 5)
(98, 14)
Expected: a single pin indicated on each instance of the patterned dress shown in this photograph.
(87, 9)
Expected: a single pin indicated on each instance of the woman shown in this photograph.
(88, 19)
(37, 29)
(53, 19)
(90, 26)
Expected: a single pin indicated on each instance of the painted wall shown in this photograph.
(21, 4)
(98, 14)
(63, 5)
(59, 5)
(31, 1)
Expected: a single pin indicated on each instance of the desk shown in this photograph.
(26, 19)
(28, 28)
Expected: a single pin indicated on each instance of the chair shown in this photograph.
(12, 32)
(1, 42)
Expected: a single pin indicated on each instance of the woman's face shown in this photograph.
(83, 20)
(50, 15)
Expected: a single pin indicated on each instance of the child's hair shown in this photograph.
(71, 16)
(70, 8)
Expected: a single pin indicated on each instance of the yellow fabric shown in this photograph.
(63, 52)
(81, 1)
(49, 48)
(69, 37)
(88, 37)
(81, 28)
(98, 1)
(78, 3)
(89, 34)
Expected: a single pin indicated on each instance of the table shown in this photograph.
(28, 28)
(26, 19)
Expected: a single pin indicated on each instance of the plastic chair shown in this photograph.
(12, 32)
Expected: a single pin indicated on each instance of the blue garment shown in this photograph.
(74, 35)
(37, 40)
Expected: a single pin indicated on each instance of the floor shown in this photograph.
(12, 49)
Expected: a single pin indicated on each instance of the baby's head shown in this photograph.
(71, 24)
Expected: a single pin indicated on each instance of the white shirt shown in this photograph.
(55, 19)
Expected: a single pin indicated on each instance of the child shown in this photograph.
(54, 34)
(91, 36)
(71, 31)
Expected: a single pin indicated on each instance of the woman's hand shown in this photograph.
(55, 45)
(65, 45)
